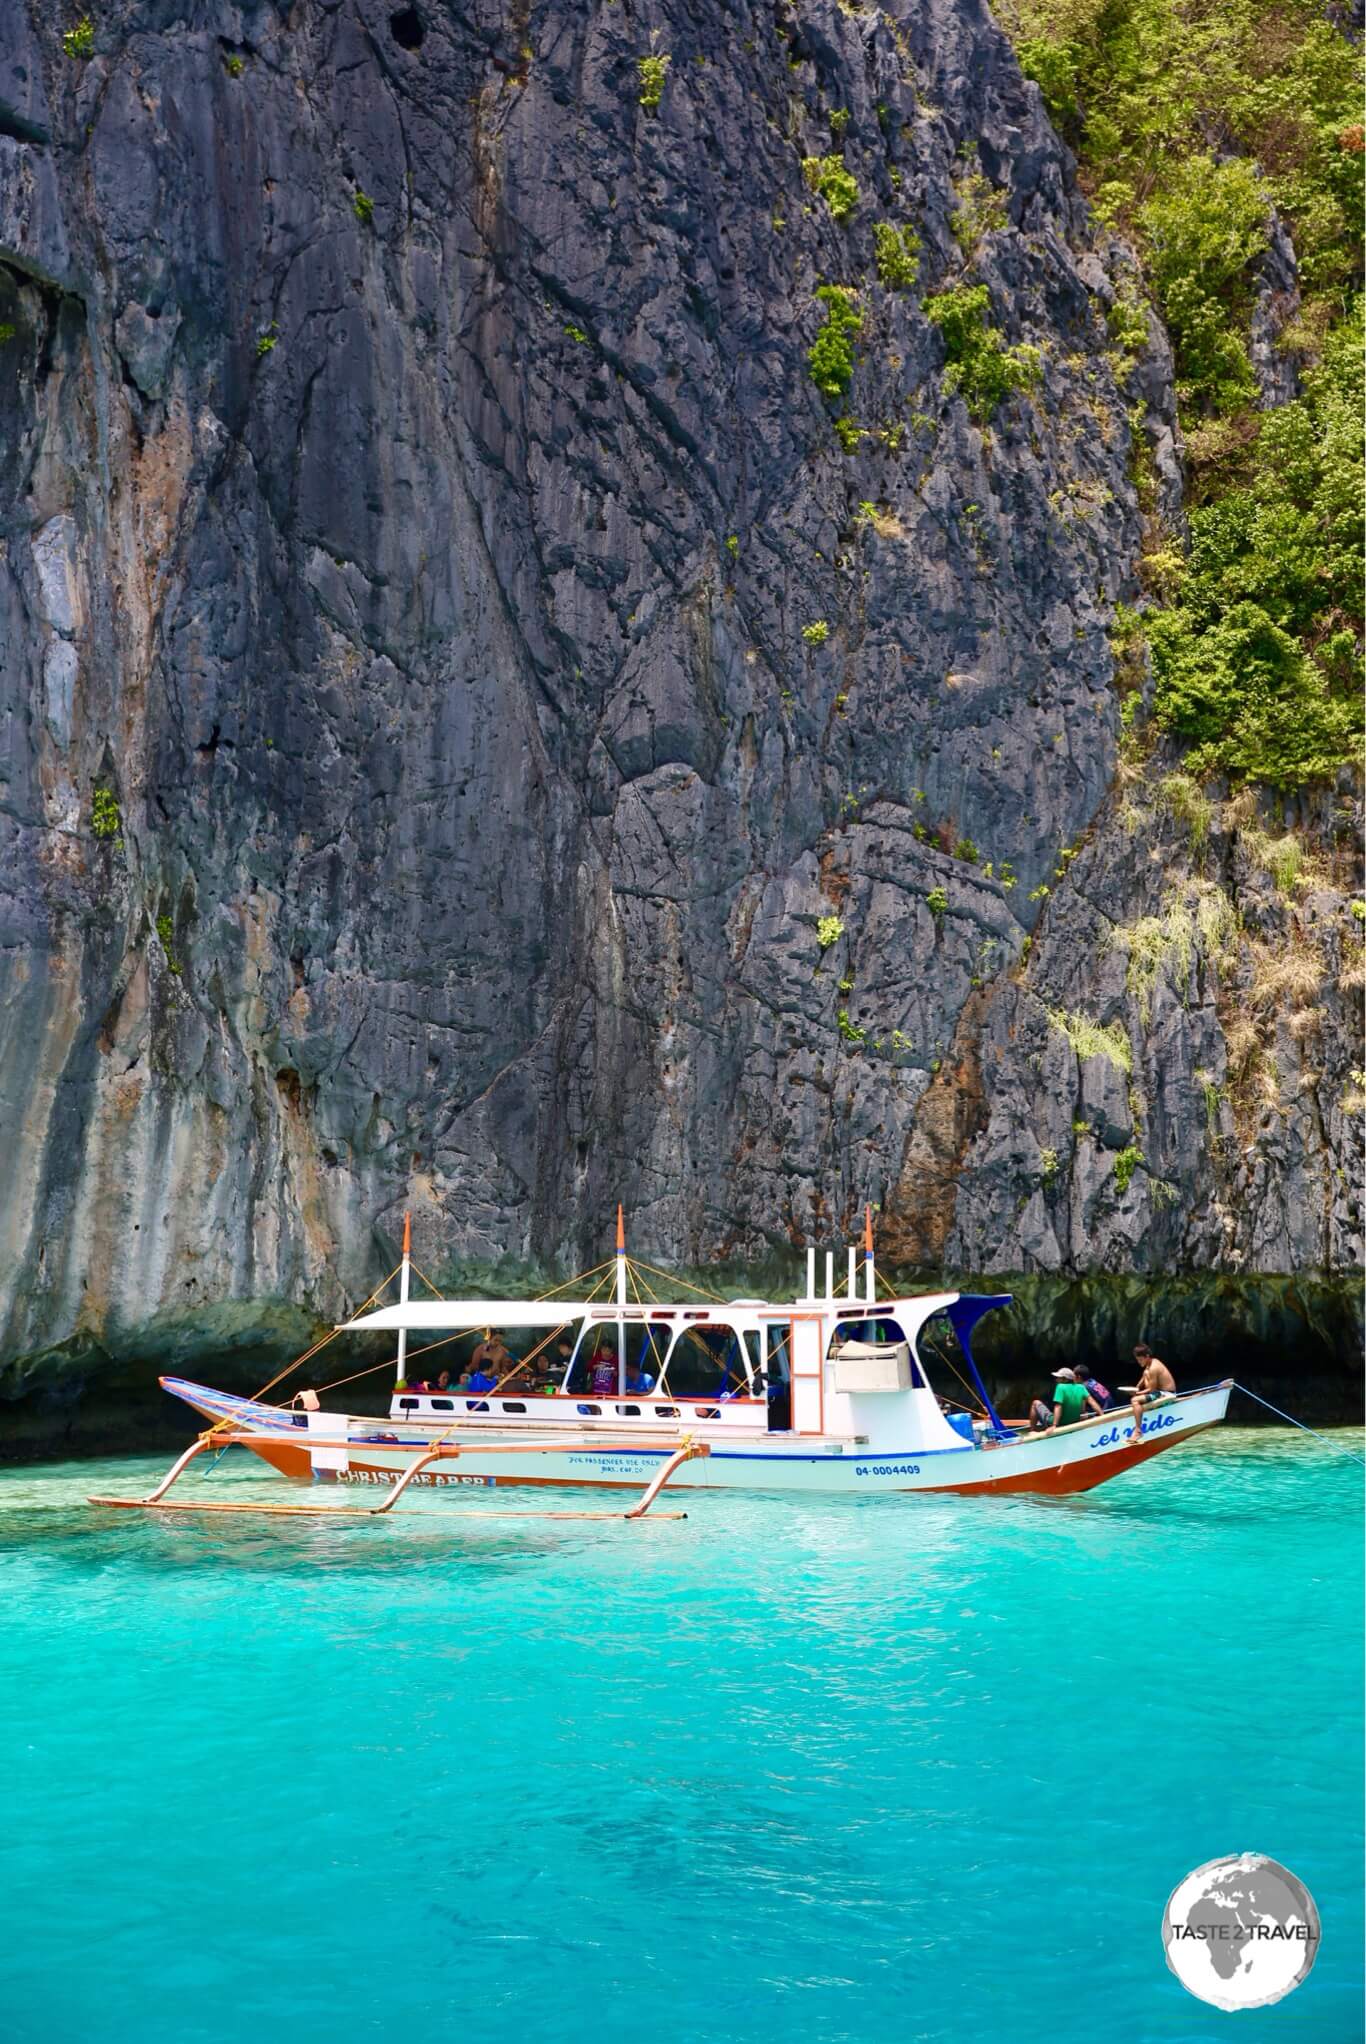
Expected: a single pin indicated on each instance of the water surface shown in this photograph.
(857, 1770)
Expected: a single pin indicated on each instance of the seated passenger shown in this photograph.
(603, 1381)
(462, 1382)
(480, 1380)
(638, 1380)
(443, 1382)
(1104, 1399)
(1070, 1399)
(491, 1354)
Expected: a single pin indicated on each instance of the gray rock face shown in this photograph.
(1278, 301)
(425, 775)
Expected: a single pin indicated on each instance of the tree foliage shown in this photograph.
(981, 367)
(1140, 87)
(1256, 660)
(1194, 124)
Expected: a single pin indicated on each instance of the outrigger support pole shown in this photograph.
(684, 1452)
(176, 1470)
(446, 1451)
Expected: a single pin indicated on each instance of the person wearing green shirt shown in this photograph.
(1070, 1399)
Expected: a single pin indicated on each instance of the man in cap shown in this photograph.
(1070, 1399)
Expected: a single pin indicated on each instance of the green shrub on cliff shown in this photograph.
(830, 357)
(106, 818)
(981, 367)
(652, 71)
(829, 179)
(166, 938)
(1127, 1162)
(1094, 1039)
(897, 252)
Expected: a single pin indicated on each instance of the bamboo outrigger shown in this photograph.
(213, 1441)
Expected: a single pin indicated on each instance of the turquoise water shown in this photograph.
(910, 1769)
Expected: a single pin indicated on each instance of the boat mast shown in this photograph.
(403, 1294)
(621, 1299)
(869, 1268)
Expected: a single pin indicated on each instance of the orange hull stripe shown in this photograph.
(1064, 1482)
(1075, 1476)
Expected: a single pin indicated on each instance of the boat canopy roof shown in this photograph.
(467, 1314)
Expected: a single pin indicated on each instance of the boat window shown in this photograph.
(591, 1411)
(879, 1331)
(711, 1361)
(513, 1405)
(708, 1412)
(642, 1354)
(443, 1405)
(407, 1404)
(476, 1405)
(629, 1411)
(666, 1412)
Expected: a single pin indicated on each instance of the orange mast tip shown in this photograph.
(621, 1227)
(867, 1231)
(407, 1234)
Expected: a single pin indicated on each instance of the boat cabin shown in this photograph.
(834, 1366)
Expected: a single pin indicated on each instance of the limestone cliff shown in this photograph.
(484, 730)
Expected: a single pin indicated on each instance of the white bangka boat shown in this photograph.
(825, 1393)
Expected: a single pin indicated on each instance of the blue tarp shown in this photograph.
(963, 1315)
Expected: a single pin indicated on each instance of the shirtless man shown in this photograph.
(490, 1361)
(1156, 1381)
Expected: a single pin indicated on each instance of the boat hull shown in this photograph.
(1060, 1464)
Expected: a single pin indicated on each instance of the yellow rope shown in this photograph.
(672, 1279)
(424, 1277)
(555, 1290)
(298, 1362)
(948, 1362)
(370, 1370)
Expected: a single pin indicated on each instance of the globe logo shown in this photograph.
(1241, 1932)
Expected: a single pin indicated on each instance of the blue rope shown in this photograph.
(1300, 1424)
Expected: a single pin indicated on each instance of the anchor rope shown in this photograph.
(1300, 1424)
